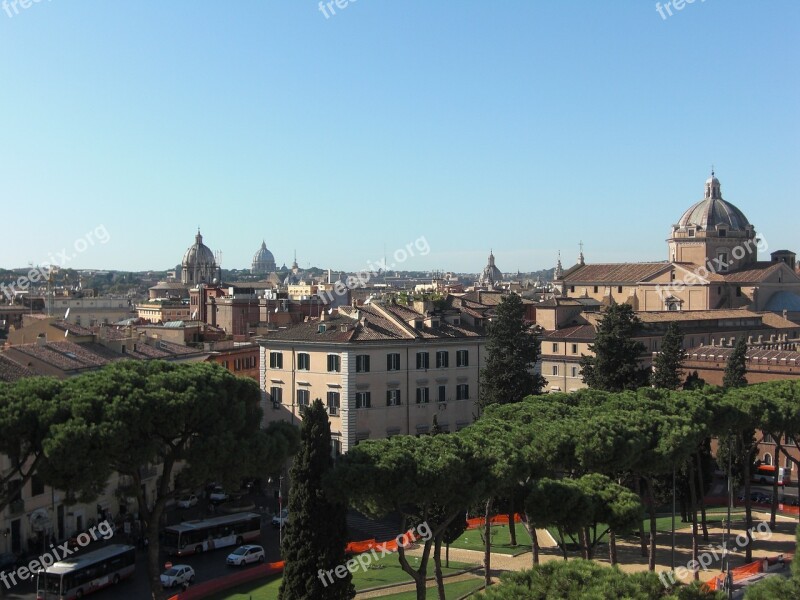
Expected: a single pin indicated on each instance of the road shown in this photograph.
(207, 566)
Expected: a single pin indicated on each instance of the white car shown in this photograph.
(281, 519)
(218, 495)
(244, 555)
(177, 575)
(187, 501)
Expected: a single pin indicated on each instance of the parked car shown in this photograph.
(218, 495)
(187, 501)
(8, 562)
(244, 555)
(177, 575)
(281, 519)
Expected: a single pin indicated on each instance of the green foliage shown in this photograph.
(694, 382)
(558, 580)
(511, 352)
(668, 363)
(615, 364)
(316, 534)
(28, 408)
(736, 368)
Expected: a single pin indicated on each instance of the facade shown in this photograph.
(163, 310)
(381, 369)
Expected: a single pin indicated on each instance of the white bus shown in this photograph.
(193, 537)
(75, 577)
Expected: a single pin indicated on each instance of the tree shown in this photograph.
(429, 480)
(694, 382)
(197, 421)
(28, 408)
(511, 352)
(668, 363)
(736, 368)
(615, 364)
(316, 534)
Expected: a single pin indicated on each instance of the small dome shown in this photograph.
(263, 261)
(712, 211)
(197, 254)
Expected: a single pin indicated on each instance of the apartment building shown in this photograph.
(381, 369)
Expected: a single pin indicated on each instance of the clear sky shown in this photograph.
(522, 126)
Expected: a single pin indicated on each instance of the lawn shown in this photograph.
(452, 590)
(501, 540)
(388, 572)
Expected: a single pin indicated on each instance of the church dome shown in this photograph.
(197, 254)
(713, 212)
(263, 261)
(490, 274)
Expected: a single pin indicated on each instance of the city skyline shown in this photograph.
(523, 128)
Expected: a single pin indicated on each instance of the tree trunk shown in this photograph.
(774, 507)
(437, 567)
(447, 555)
(651, 563)
(612, 547)
(487, 554)
(701, 497)
(642, 540)
(512, 528)
(418, 575)
(748, 505)
(563, 542)
(693, 515)
(534, 540)
(585, 542)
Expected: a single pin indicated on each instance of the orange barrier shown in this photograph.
(744, 572)
(478, 522)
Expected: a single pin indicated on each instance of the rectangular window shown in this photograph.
(441, 394)
(303, 398)
(334, 363)
(555, 347)
(37, 485)
(555, 369)
(423, 360)
(336, 447)
(788, 441)
(393, 362)
(303, 361)
(442, 359)
(691, 233)
(276, 394)
(723, 233)
(595, 289)
(422, 395)
(462, 392)
(462, 358)
(574, 371)
(572, 289)
(574, 348)
(362, 363)
(276, 360)
(738, 291)
(363, 400)
(619, 289)
(722, 261)
(392, 397)
(333, 403)
(768, 439)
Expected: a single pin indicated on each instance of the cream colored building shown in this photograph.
(381, 370)
(712, 264)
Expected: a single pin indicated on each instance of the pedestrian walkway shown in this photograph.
(630, 559)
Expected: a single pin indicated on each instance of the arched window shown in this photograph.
(767, 459)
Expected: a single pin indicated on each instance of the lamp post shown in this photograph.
(280, 510)
(728, 574)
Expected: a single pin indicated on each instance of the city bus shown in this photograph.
(80, 575)
(193, 537)
(765, 475)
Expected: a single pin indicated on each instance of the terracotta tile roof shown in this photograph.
(575, 332)
(11, 371)
(666, 316)
(72, 328)
(64, 355)
(756, 273)
(615, 273)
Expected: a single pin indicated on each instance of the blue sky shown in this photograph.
(521, 126)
